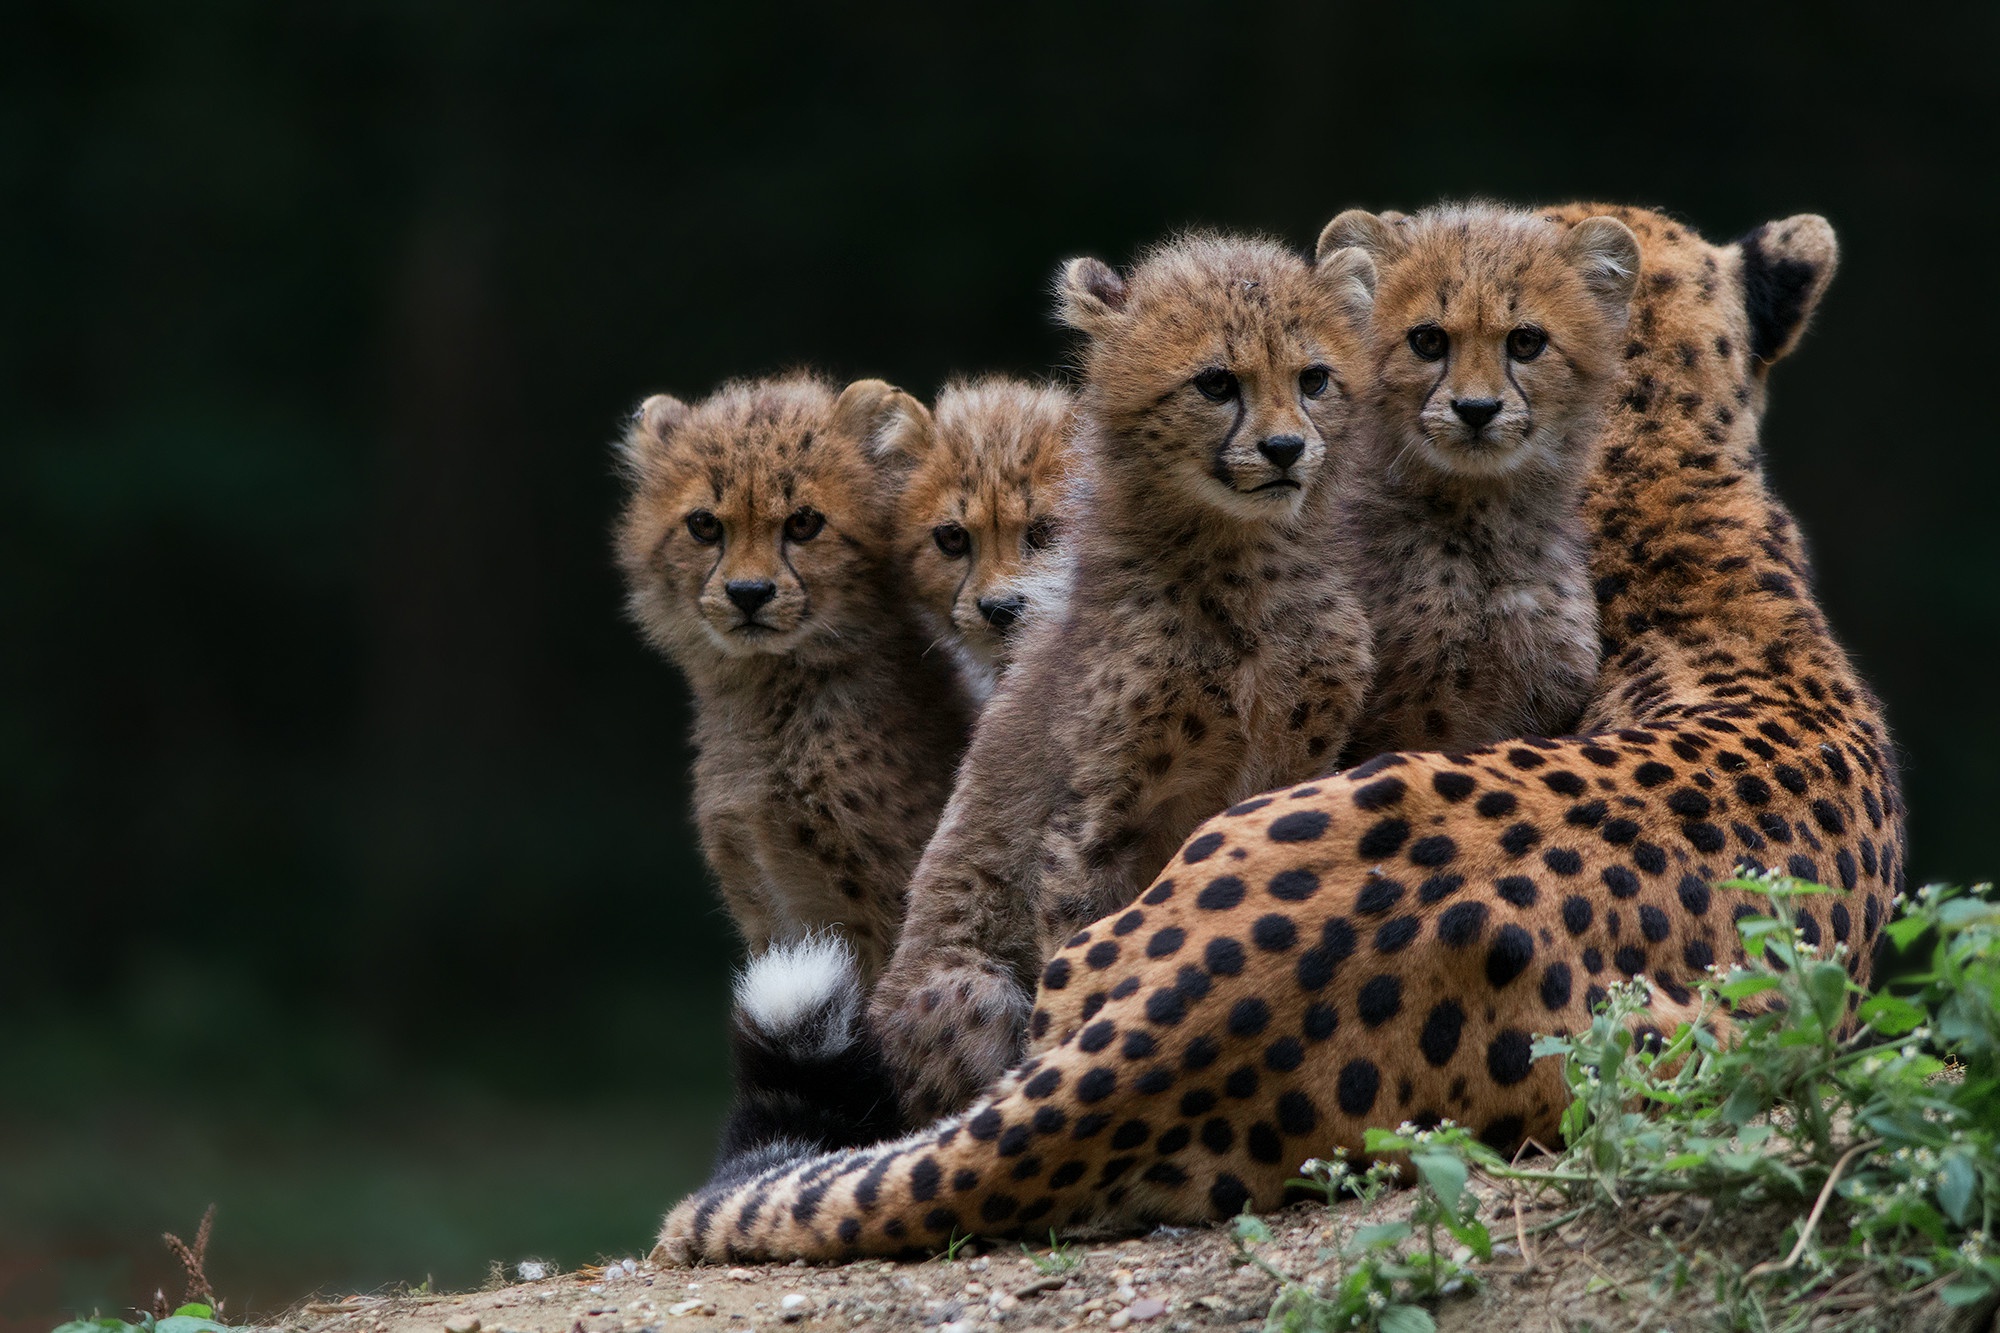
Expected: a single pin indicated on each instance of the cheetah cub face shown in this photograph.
(1495, 331)
(1217, 369)
(978, 519)
(758, 518)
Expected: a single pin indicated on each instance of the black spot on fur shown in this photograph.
(1507, 1057)
(1384, 838)
(1202, 848)
(1293, 886)
(1439, 1039)
(1359, 1081)
(1509, 955)
(1555, 986)
(1220, 894)
(1298, 826)
(1380, 999)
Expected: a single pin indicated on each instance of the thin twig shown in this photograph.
(193, 1262)
(1819, 1206)
(1040, 1285)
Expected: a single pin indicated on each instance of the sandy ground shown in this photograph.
(1590, 1274)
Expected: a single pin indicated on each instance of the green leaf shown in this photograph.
(1965, 1293)
(1955, 1191)
(197, 1310)
(1904, 930)
(1383, 1140)
(1250, 1227)
(1406, 1319)
(1746, 987)
(1890, 1015)
(188, 1324)
(1445, 1174)
(1379, 1236)
(1827, 984)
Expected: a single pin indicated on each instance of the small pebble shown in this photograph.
(1148, 1307)
(462, 1323)
(741, 1275)
(680, 1308)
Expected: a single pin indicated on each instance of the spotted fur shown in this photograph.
(1382, 945)
(1208, 645)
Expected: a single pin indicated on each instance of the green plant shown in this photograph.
(1830, 1097)
(1374, 1276)
(1060, 1259)
(190, 1318)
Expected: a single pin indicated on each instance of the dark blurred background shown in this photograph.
(345, 872)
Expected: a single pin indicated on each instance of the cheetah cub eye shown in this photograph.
(804, 524)
(1429, 342)
(704, 527)
(1526, 343)
(952, 540)
(1216, 384)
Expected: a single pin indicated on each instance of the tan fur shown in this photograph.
(1208, 646)
(1381, 945)
(979, 515)
(826, 741)
(1465, 514)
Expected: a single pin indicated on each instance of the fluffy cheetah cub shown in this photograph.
(757, 547)
(1206, 646)
(1495, 344)
(979, 514)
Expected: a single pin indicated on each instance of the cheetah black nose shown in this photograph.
(1282, 450)
(1476, 412)
(749, 594)
(1001, 612)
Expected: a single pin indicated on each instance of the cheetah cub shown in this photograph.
(1494, 349)
(1205, 645)
(989, 470)
(758, 551)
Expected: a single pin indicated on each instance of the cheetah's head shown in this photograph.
(1219, 369)
(1496, 332)
(978, 517)
(758, 520)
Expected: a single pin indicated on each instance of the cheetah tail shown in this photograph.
(1011, 1165)
(809, 1073)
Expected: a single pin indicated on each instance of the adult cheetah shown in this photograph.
(1378, 946)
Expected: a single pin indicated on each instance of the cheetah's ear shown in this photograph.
(904, 432)
(651, 425)
(1785, 270)
(1606, 253)
(1348, 274)
(1357, 228)
(861, 408)
(1090, 296)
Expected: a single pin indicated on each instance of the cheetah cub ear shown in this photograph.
(1606, 253)
(862, 408)
(651, 425)
(904, 433)
(1357, 228)
(1090, 296)
(1349, 276)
